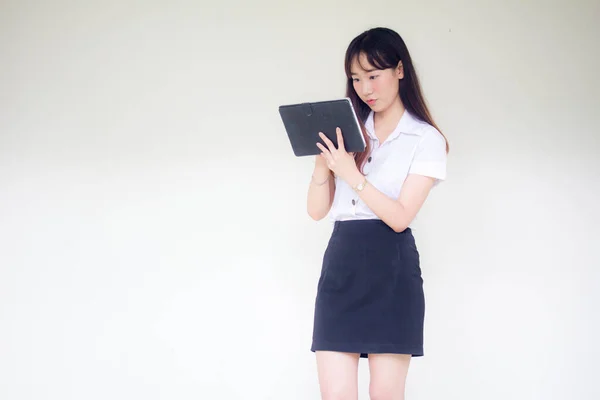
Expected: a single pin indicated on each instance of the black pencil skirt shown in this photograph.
(370, 293)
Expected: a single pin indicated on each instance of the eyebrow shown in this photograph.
(366, 70)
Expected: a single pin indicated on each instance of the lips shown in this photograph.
(371, 102)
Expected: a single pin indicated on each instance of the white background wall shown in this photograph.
(151, 208)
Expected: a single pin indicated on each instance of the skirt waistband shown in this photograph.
(369, 227)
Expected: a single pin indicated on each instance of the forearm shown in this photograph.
(387, 209)
(320, 194)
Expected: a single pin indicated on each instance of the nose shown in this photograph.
(366, 87)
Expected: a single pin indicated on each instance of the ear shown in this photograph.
(400, 70)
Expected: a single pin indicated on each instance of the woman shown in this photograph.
(370, 300)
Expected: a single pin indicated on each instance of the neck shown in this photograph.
(392, 114)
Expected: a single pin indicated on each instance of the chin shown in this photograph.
(376, 107)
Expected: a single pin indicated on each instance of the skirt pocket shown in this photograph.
(408, 256)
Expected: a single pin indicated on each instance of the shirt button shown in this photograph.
(370, 158)
(353, 202)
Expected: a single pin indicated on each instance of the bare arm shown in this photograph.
(398, 214)
(320, 191)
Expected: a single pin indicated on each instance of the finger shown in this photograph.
(327, 162)
(326, 154)
(327, 142)
(340, 139)
(324, 149)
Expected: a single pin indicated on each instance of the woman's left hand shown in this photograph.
(338, 160)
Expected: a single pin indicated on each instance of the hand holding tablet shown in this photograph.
(305, 121)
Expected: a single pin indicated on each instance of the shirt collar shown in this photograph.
(408, 124)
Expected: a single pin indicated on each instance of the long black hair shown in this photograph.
(385, 48)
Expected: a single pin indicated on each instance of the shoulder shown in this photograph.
(431, 137)
(430, 155)
(421, 127)
(413, 124)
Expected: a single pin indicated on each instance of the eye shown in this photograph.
(374, 76)
(355, 80)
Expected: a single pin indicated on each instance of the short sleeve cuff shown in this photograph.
(432, 169)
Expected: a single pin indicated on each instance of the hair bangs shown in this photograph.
(376, 55)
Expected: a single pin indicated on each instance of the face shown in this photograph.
(378, 88)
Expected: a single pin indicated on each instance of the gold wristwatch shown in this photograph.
(361, 185)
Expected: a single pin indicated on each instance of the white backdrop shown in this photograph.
(152, 211)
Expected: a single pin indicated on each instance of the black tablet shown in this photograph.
(304, 121)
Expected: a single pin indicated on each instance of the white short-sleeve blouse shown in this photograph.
(414, 147)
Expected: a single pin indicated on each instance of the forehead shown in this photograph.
(360, 65)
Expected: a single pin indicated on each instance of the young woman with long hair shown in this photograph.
(370, 301)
